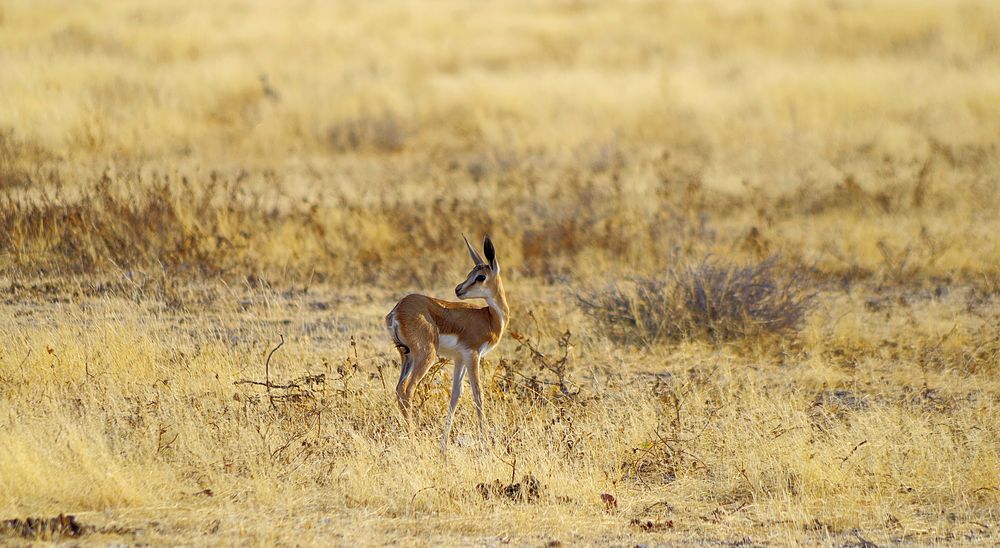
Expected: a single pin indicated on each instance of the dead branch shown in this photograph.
(414, 497)
(21, 365)
(557, 367)
(268, 384)
(267, 369)
(853, 451)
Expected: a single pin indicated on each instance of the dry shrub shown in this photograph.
(44, 528)
(536, 375)
(176, 224)
(709, 301)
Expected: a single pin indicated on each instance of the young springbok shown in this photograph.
(424, 328)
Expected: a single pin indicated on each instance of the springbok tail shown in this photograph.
(399, 342)
(404, 351)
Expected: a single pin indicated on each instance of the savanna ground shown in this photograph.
(182, 184)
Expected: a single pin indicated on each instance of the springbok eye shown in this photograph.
(480, 278)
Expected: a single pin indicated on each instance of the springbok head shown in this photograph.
(484, 278)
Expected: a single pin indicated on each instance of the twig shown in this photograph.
(380, 376)
(160, 446)
(783, 431)
(708, 422)
(743, 473)
(21, 365)
(740, 507)
(536, 380)
(678, 424)
(865, 543)
(538, 332)
(853, 450)
(267, 384)
(534, 391)
(288, 443)
(655, 504)
(267, 370)
(510, 451)
(695, 457)
(558, 368)
(414, 497)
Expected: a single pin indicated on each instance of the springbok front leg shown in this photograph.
(477, 398)
(456, 392)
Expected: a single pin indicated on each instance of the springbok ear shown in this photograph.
(473, 253)
(491, 255)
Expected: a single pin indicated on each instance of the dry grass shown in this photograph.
(181, 185)
(709, 300)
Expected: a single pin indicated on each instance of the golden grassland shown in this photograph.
(183, 184)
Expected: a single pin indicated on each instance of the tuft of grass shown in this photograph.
(381, 134)
(709, 300)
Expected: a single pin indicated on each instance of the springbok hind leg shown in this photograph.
(418, 336)
(406, 368)
(422, 361)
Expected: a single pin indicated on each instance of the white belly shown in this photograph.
(449, 348)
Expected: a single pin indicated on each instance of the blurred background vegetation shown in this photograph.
(352, 142)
